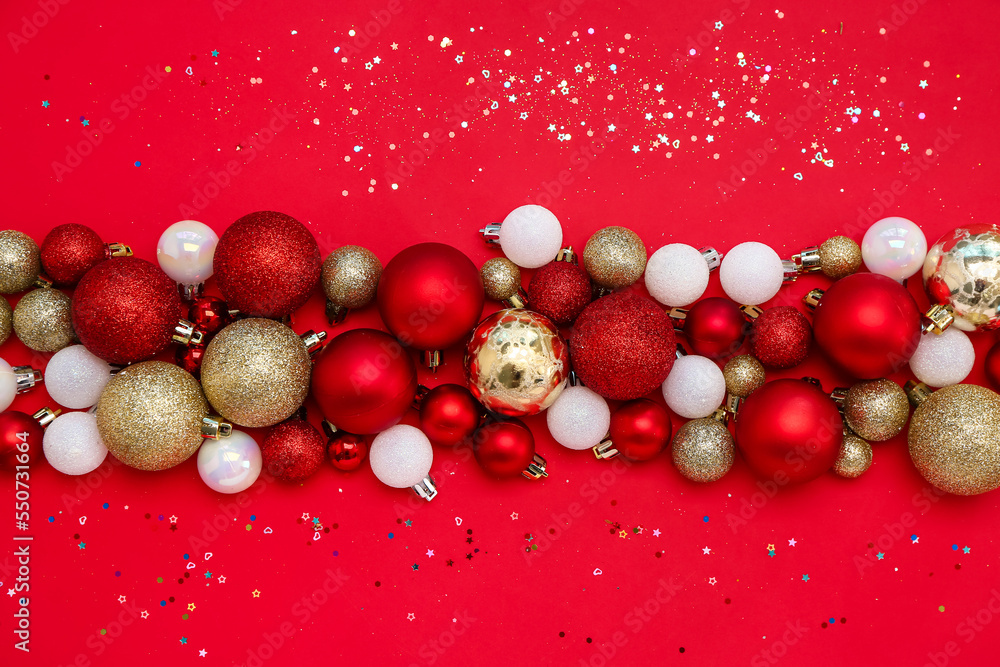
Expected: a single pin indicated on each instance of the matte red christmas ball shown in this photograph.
(789, 431)
(125, 310)
(449, 414)
(640, 429)
(20, 440)
(780, 337)
(267, 264)
(504, 449)
(293, 450)
(364, 381)
(992, 366)
(347, 451)
(622, 346)
(69, 251)
(560, 291)
(868, 324)
(715, 327)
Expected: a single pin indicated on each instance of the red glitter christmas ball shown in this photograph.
(293, 450)
(20, 440)
(780, 337)
(69, 251)
(560, 291)
(125, 310)
(622, 346)
(715, 327)
(267, 264)
(347, 451)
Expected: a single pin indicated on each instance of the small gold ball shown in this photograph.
(42, 320)
(876, 410)
(839, 256)
(350, 276)
(6, 320)
(744, 375)
(855, 456)
(614, 257)
(20, 262)
(702, 450)
(501, 278)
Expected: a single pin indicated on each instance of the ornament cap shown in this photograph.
(680, 352)
(790, 271)
(431, 359)
(45, 416)
(26, 378)
(751, 312)
(712, 257)
(536, 469)
(426, 489)
(567, 254)
(518, 300)
(938, 318)
(811, 299)
(185, 333)
(839, 395)
(214, 427)
(191, 291)
(917, 392)
(605, 449)
(733, 403)
(491, 233)
(42, 282)
(720, 415)
(808, 260)
(574, 380)
(813, 381)
(117, 250)
(678, 317)
(418, 398)
(335, 314)
(599, 290)
(314, 341)
(329, 429)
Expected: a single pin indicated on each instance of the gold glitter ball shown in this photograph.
(42, 320)
(702, 450)
(614, 257)
(855, 456)
(744, 375)
(20, 262)
(350, 276)
(6, 320)
(256, 372)
(876, 410)
(839, 256)
(149, 415)
(955, 439)
(501, 278)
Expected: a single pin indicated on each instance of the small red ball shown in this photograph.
(560, 291)
(715, 327)
(210, 314)
(622, 346)
(781, 337)
(125, 310)
(504, 449)
(992, 365)
(293, 450)
(640, 429)
(20, 440)
(267, 264)
(69, 251)
(449, 414)
(189, 358)
(347, 451)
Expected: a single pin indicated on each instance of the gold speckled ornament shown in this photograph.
(839, 256)
(20, 262)
(614, 257)
(149, 415)
(350, 276)
(744, 375)
(6, 320)
(855, 456)
(255, 372)
(955, 439)
(702, 450)
(501, 278)
(42, 320)
(876, 410)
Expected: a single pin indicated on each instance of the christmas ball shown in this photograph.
(125, 310)
(854, 458)
(789, 429)
(20, 440)
(209, 314)
(751, 273)
(267, 264)
(20, 262)
(186, 251)
(560, 291)
(516, 363)
(8, 385)
(780, 337)
(350, 276)
(401, 456)
(992, 366)
(189, 357)
(449, 415)
(69, 251)
(6, 320)
(614, 257)
(868, 324)
(640, 429)
(894, 247)
(73, 444)
(256, 372)
(530, 236)
(702, 450)
(501, 278)
(876, 410)
(945, 359)
(579, 419)
(150, 415)
(75, 377)
(364, 381)
(293, 450)
(42, 320)
(504, 449)
(715, 327)
(695, 387)
(347, 451)
(839, 256)
(231, 464)
(954, 439)
(623, 346)
(962, 270)
(676, 275)
(744, 375)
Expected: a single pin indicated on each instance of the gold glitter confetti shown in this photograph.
(501, 278)
(702, 450)
(614, 257)
(350, 276)
(42, 320)
(876, 410)
(744, 375)
(20, 262)
(855, 456)
(839, 256)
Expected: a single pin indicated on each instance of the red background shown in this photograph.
(332, 166)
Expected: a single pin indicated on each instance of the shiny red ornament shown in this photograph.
(209, 314)
(780, 337)
(715, 327)
(293, 450)
(992, 366)
(347, 451)
(364, 381)
(20, 440)
(449, 414)
(430, 296)
(125, 310)
(189, 358)
(789, 431)
(69, 251)
(622, 346)
(504, 449)
(868, 324)
(640, 429)
(267, 264)
(560, 291)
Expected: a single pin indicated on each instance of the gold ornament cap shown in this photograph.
(46, 416)
(567, 254)
(605, 449)
(917, 392)
(812, 297)
(938, 318)
(536, 469)
(185, 333)
(214, 427)
(117, 250)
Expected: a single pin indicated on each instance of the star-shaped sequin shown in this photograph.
(144, 614)
(706, 551)
(923, 83)
(191, 606)
(222, 579)
(711, 580)
(215, 53)
(880, 555)
(121, 598)
(805, 577)
(656, 532)
(430, 553)
(45, 103)
(410, 616)
(184, 640)
(513, 516)
(792, 542)
(966, 550)
(256, 593)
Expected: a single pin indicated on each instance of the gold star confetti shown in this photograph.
(256, 593)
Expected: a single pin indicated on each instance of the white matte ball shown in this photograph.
(73, 445)
(8, 385)
(230, 465)
(531, 236)
(695, 387)
(401, 456)
(751, 273)
(186, 252)
(894, 247)
(75, 377)
(944, 360)
(579, 419)
(676, 275)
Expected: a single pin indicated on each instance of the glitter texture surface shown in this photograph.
(876, 410)
(560, 291)
(702, 450)
(614, 257)
(855, 457)
(42, 320)
(839, 256)
(501, 278)
(781, 337)
(350, 276)
(293, 450)
(69, 251)
(20, 262)
(744, 375)
(6, 320)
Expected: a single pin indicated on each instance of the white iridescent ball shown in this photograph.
(941, 361)
(751, 273)
(75, 377)
(186, 252)
(8, 385)
(73, 445)
(676, 275)
(894, 247)
(401, 456)
(695, 387)
(531, 236)
(230, 465)
(579, 419)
